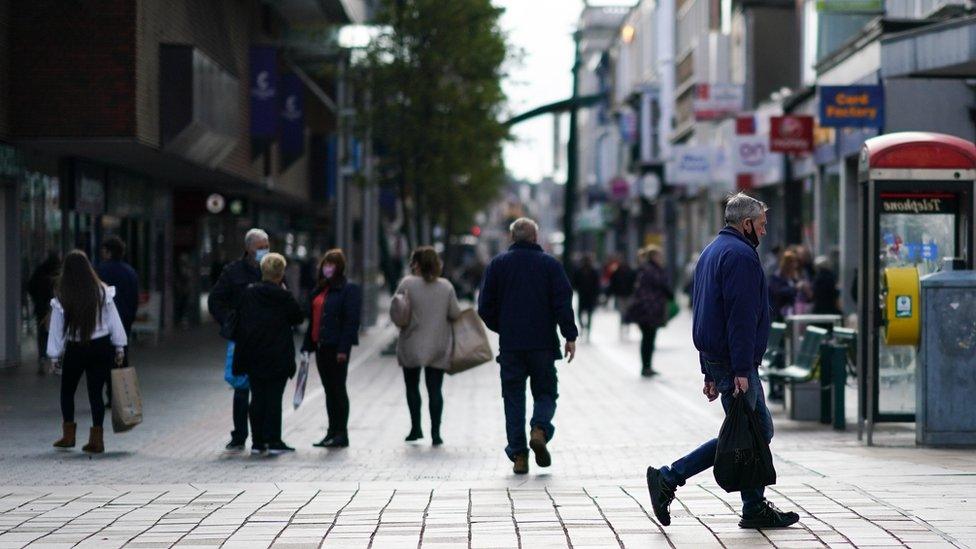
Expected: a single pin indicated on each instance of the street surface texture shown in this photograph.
(168, 482)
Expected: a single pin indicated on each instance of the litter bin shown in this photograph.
(946, 389)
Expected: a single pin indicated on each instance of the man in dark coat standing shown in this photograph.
(225, 297)
(524, 296)
(731, 329)
(114, 271)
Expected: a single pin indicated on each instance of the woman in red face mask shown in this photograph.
(332, 331)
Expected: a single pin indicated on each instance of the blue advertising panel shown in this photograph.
(292, 116)
(264, 92)
(852, 106)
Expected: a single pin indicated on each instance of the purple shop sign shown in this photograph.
(264, 91)
(292, 116)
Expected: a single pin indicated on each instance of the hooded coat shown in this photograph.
(264, 336)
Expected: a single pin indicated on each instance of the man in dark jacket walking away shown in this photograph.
(731, 329)
(40, 287)
(525, 294)
(116, 272)
(225, 297)
(264, 350)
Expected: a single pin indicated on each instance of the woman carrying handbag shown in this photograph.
(426, 338)
(86, 337)
(333, 329)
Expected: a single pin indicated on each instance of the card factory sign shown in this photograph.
(852, 106)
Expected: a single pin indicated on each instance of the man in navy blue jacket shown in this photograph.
(731, 329)
(116, 272)
(524, 296)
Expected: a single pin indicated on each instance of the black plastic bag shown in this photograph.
(742, 459)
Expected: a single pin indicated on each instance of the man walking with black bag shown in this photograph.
(731, 329)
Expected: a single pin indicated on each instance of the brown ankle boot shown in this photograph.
(537, 441)
(67, 439)
(95, 444)
(521, 464)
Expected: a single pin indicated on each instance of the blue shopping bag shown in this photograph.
(237, 382)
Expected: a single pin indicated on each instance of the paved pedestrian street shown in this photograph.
(169, 483)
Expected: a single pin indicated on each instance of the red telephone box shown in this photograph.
(916, 208)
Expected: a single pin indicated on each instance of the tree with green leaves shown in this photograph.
(433, 77)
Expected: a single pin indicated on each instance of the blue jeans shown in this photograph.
(540, 368)
(703, 457)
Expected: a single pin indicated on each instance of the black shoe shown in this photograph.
(279, 448)
(768, 516)
(415, 434)
(662, 494)
(260, 450)
(321, 443)
(436, 440)
(234, 446)
(336, 441)
(646, 372)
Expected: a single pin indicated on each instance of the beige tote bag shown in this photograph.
(471, 347)
(126, 400)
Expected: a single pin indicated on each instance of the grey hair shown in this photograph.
(254, 235)
(524, 229)
(741, 206)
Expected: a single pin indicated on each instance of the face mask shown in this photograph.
(260, 253)
(753, 236)
(328, 271)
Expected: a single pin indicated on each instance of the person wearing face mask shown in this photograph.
(333, 329)
(223, 303)
(730, 329)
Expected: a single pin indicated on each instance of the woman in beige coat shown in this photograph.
(425, 343)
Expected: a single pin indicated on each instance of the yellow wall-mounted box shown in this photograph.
(902, 306)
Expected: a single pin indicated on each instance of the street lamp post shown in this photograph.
(569, 208)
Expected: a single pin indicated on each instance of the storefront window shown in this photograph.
(830, 212)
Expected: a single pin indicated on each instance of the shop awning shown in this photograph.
(941, 50)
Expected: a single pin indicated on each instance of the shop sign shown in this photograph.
(918, 203)
(11, 162)
(850, 6)
(690, 165)
(791, 134)
(852, 106)
(215, 203)
(89, 190)
(264, 91)
(717, 101)
(292, 116)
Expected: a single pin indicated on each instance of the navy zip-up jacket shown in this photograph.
(731, 304)
(341, 316)
(525, 294)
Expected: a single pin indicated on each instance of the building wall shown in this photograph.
(4, 66)
(937, 106)
(222, 31)
(85, 85)
(773, 52)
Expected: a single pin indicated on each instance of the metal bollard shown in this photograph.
(833, 380)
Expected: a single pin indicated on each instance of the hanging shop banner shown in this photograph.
(690, 165)
(850, 6)
(852, 106)
(292, 116)
(717, 101)
(264, 92)
(791, 134)
(751, 155)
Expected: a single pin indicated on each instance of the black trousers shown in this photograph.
(333, 377)
(242, 399)
(435, 380)
(648, 336)
(93, 359)
(265, 410)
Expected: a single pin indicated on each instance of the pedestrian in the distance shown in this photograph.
(826, 295)
(40, 287)
(224, 299)
(86, 338)
(426, 342)
(333, 329)
(786, 287)
(586, 282)
(731, 329)
(525, 295)
(114, 271)
(623, 279)
(264, 350)
(649, 308)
